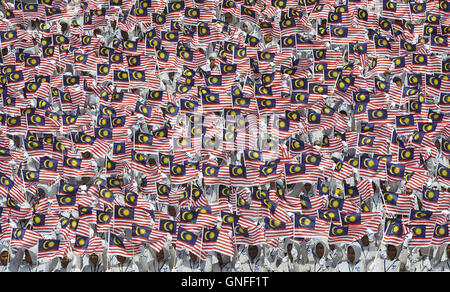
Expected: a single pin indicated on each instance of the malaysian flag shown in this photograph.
(310, 226)
(23, 238)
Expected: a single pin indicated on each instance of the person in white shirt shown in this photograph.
(269, 42)
(66, 263)
(368, 250)
(335, 254)
(353, 263)
(211, 66)
(394, 261)
(420, 260)
(251, 260)
(170, 81)
(123, 264)
(442, 258)
(295, 189)
(221, 262)
(192, 263)
(319, 261)
(160, 261)
(6, 263)
(29, 262)
(95, 263)
(290, 258)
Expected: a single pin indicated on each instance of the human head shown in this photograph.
(245, 27)
(317, 143)
(172, 211)
(93, 258)
(4, 257)
(28, 257)
(228, 18)
(308, 187)
(124, 35)
(41, 192)
(171, 75)
(193, 256)
(397, 81)
(268, 38)
(64, 261)
(219, 258)
(63, 26)
(391, 252)
(320, 250)
(365, 240)
(160, 255)
(86, 155)
(252, 251)
(350, 254)
(17, 141)
(289, 250)
(85, 180)
(212, 61)
(121, 259)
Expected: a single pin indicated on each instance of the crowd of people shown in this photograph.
(224, 135)
(290, 256)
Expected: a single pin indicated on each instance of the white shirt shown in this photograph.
(346, 266)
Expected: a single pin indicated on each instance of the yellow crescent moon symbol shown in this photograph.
(30, 175)
(446, 145)
(333, 230)
(417, 7)
(117, 241)
(442, 171)
(104, 69)
(68, 188)
(267, 203)
(394, 170)
(362, 14)
(105, 217)
(130, 197)
(176, 169)
(105, 193)
(274, 223)
(168, 226)
(209, 171)
(17, 233)
(137, 75)
(334, 203)
(227, 218)
(122, 212)
(439, 230)
(80, 241)
(48, 244)
(302, 221)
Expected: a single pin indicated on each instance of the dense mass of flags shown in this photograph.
(242, 131)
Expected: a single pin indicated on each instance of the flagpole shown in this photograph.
(109, 241)
(201, 242)
(9, 249)
(379, 246)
